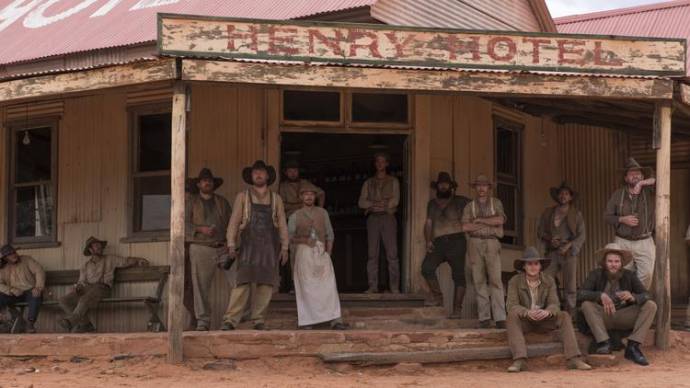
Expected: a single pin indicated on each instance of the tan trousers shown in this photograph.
(634, 317)
(567, 267)
(484, 256)
(77, 305)
(644, 256)
(240, 295)
(517, 327)
(203, 263)
(383, 227)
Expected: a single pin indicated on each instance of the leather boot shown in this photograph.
(457, 302)
(634, 354)
(518, 365)
(436, 297)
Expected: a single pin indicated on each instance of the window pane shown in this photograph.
(154, 142)
(311, 106)
(506, 152)
(508, 196)
(379, 108)
(33, 155)
(33, 211)
(152, 203)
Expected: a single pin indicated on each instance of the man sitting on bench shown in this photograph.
(95, 283)
(22, 279)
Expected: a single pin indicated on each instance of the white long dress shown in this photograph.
(315, 286)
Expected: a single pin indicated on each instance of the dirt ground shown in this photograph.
(668, 369)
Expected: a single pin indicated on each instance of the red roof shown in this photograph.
(47, 28)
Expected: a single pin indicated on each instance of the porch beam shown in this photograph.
(480, 83)
(662, 269)
(107, 77)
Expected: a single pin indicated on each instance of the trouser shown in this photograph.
(567, 267)
(203, 262)
(383, 227)
(635, 317)
(33, 302)
(485, 262)
(644, 256)
(451, 249)
(240, 295)
(77, 305)
(518, 326)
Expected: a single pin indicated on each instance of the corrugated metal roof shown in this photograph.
(43, 28)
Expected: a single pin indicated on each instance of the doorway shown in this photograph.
(340, 164)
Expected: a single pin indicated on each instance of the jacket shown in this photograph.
(596, 283)
(519, 297)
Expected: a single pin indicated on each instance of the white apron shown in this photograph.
(315, 287)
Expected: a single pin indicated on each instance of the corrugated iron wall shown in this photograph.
(641, 149)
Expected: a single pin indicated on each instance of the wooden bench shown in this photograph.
(122, 275)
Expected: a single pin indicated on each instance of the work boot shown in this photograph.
(372, 290)
(500, 324)
(227, 326)
(260, 326)
(202, 325)
(634, 354)
(485, 324)
(457, 302)
(578, 364)
(65, 324)
(603, 347)
(340, 326)
(435, 297)
(30, 328)
(518, 365)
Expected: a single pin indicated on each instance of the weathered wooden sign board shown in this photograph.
(338, 43)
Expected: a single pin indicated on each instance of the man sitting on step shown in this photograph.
(22, 279)
(533, 305)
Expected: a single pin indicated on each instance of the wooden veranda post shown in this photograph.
(662, 271)
(177, 223)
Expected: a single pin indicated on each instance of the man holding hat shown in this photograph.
(613, 298)
(22, 279)
(483, 220)
(95, 283)
(207, 216)
(258, 238)
(533, 306)
(445, 240)
(562, 232)
(311, 233)
(630, 210)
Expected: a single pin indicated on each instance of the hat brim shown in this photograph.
(192, 182)
(555, 190)
(519, 264)
(2, 257)
(644, 169)
(247, 175)
(626, 256)
(453, 184)
(87, 246)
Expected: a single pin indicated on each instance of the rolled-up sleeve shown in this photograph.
(235, 219)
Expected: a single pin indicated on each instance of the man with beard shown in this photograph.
(207, 218)
(22, 279)
(562, 231)
(613, 298)
(445, 240)
(630, 210)
(258, 224)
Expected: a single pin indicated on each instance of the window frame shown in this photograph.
(312, 123)
(12, 128)
(500, 122)
(383, 124)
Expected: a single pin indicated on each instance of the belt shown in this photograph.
(485, 237)
(454, 236)
(635, 238)
(211, 244)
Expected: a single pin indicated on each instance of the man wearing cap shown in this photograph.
(483, 220)
(22, 279)
(562, 232)
(533, 306)
(207, 216)
(258, 238)
(95, 283)
(445, 240)
(613, 298)
(379, 198)
(312, 236)
(630, 210)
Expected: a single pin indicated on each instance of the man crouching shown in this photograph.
(533, 305)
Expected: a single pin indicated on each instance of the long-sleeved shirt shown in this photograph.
(101, 269)
(25, 275)
(380, 189)
(290, 193)
(622, 203)
(207, 212)
(491, 208)
(301, 222)
(238, 211)
(571, 229)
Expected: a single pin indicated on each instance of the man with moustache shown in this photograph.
(445, 241)
(562, 231)
(630, 210)
(613, 298)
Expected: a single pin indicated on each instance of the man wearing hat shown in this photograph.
(207, 216)
(22, 279)
(533, 306)
(630, 210)
(95, 283)
(258, 238)
(311, 234)
(613, 298)
(380, 197)
(562, 232)
(483, 220)
(445, 240)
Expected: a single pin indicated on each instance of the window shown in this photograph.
(150, 182)
(379, 108)
(32, 204)
(508, 164)
(315, 106)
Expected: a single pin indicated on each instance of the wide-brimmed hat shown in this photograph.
(205, 173)
(7, 250)
(481, 179)
(259, 165)
(626, 256)
(91, 240)
(290, 163)
(554, 191)
(307, 186)
(444, 177)
(531, 254)
(631, 164)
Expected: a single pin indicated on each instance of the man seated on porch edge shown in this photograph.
(22, 279)
(95, 283)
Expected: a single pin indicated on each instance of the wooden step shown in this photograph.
(360, 300)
